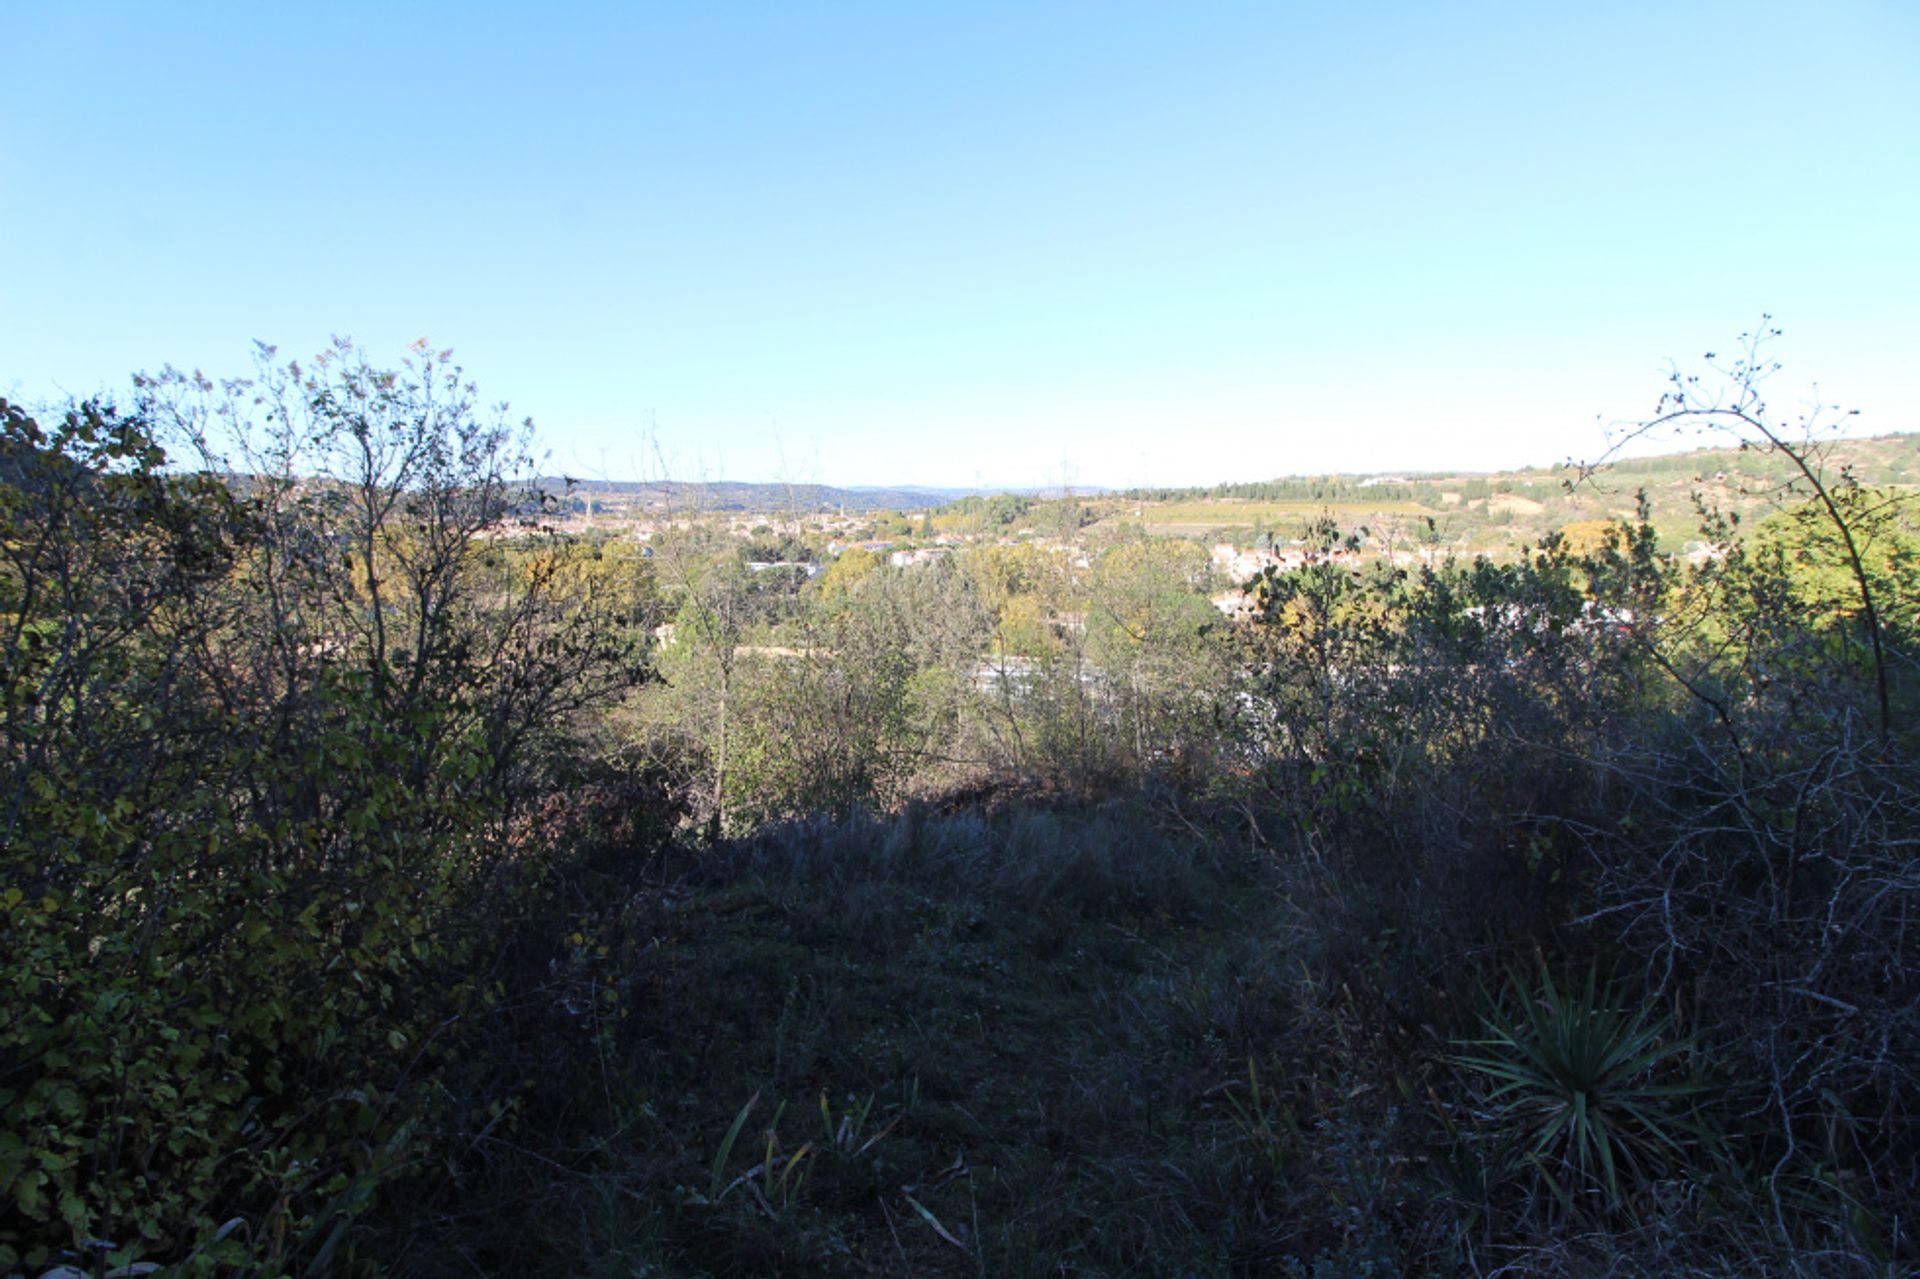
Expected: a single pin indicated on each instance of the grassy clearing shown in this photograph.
(1006, 1045)
(1024, 1042)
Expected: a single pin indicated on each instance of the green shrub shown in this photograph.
(260, 735)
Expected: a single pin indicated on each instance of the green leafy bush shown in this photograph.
(263, 725)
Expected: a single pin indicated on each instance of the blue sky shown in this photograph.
(956, 244)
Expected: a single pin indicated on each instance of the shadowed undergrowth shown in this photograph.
(1021, 1042)
(1033, 1015)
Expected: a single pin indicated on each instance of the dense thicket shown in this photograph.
(264, 739)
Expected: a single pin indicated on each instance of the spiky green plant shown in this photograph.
(1586, 1086)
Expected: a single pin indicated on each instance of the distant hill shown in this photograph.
(1880, 459)
(1478, 508)
(738, 495)
(1490, 509)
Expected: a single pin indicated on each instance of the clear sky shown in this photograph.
(964, 243)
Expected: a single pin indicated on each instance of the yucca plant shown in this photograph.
(1585, 1086)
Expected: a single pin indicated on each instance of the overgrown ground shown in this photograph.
(1004, 1045)
(1021, 1041)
